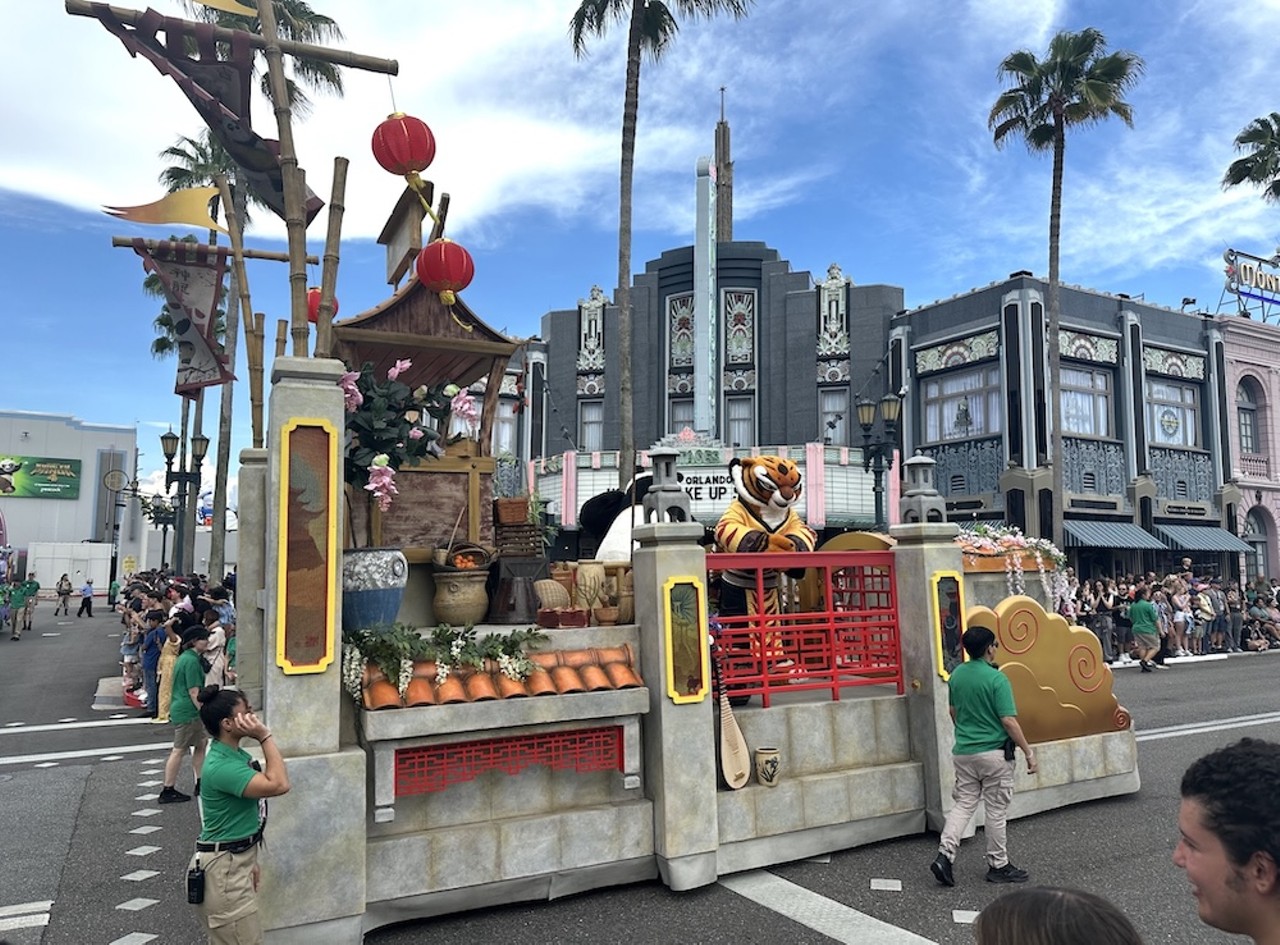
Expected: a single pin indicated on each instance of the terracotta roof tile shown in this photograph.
(559, 672)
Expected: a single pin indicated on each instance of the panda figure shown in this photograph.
(8, 467)
(611, 516)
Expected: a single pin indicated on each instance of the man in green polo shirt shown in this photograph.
(17, 609)
(985, 718)
(32, 587)
(184, 712)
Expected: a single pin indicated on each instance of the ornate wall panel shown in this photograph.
(740, 380)
(1193, 470)
(833, 372)
(591, 331)
(1173, 363)
(590, 385)
(680, 383)
(973, 468)
(951, 354)
(833, 316)
(680, 327)
(739, 308)
(1083, 347)
(1091, 466)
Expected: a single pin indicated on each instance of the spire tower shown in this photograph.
(724, 179)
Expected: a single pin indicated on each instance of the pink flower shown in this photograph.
(415, 433)
(382, 483)
(463, 406)
(350, 392)
(399, 368)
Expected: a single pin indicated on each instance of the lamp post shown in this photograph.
(162, 515)
(877, 452)
(188, 482)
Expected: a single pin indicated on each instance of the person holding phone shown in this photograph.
(233, 791)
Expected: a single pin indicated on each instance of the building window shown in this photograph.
(504, 427)
(1173, 418)
(681, 415)
(1247, 417)
(1255, 535)
(740, 421)
(962, 405)
(834, 406)
(591, 426)
(1086, 401)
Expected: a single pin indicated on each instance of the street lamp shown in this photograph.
(188, 482)
(877, 454)
(162, 516)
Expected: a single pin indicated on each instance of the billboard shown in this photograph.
(39, 477)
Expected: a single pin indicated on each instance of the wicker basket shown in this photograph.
(551, 594)
(511, 511)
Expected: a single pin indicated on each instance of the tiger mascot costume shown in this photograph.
(761, 518)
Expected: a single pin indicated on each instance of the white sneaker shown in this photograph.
(1126, 659)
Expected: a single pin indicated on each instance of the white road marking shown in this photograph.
(68, 755)
(62, 722)
(134, 938)
(963, 916)
(1200, 728)
(120, 716)
(24, 922)
(830, 918)
(151, 770)
(137, 905)
(141, 851)
(51, 634)
(40, 905)
(155, 761)
(138, 876)
(146, 797)
(68, 724)
(146, 812)
(47, 764)
(151, 783)
(13, 724)
(112, 758)
(149, 828)
(887, 885)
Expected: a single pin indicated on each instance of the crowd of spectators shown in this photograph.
(156, 610)
(1196, 615)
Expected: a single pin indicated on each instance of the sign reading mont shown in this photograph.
(39, 477)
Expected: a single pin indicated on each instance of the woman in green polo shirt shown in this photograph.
(231, 788)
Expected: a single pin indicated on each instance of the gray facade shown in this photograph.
(781, 340)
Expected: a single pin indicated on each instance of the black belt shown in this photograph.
(229, 846)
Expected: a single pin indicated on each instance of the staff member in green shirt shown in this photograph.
(231, 791)
(184, 713)
(1146, 629)
(985, 718)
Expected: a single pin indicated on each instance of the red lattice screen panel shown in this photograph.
(434, 767)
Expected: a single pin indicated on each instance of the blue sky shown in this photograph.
(859, 136)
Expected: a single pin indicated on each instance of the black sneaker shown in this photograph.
(941, 870)
(1146, 667)
(1007, 874)
(172, 796)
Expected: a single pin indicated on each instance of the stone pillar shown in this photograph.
(313, 886)
(679, 740)
(250, 577)
(922, 550)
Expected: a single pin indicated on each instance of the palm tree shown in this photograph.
(651, 27)
(1261, 166)
(295, 20)
(1077, 83)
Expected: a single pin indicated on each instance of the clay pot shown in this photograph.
(461, 599)
(548, 618)
(564, 577)
(420, 691)
(626, 607)
(373, 582)
(606, 616)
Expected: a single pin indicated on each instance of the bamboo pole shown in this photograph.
(282, 338)
(126, 242)
(329, 275)
(437, 230)
(339, 57)
(294, 182)
(242, 286)
(255, 379)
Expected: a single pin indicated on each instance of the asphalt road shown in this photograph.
(82, 837)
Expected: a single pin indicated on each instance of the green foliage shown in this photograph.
(445, 645)
(1261, 165)
(382, 423)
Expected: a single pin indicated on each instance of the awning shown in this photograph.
(1201, 538)
(1124, 535)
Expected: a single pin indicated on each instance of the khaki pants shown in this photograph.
(985, 777)
(230, 907)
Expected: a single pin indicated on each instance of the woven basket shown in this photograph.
(551, 594)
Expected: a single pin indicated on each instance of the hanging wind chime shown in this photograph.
(404, 146)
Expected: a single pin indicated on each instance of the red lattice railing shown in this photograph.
(837, 627)
(434, 767)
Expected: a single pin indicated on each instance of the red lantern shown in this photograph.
(445, 267)
(403, 144)
(313, 304)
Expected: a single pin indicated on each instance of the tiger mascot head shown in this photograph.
(769, 485)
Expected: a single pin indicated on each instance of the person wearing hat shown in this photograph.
(184, 712)
(86, 598)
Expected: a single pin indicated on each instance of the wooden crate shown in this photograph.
(520, 541)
